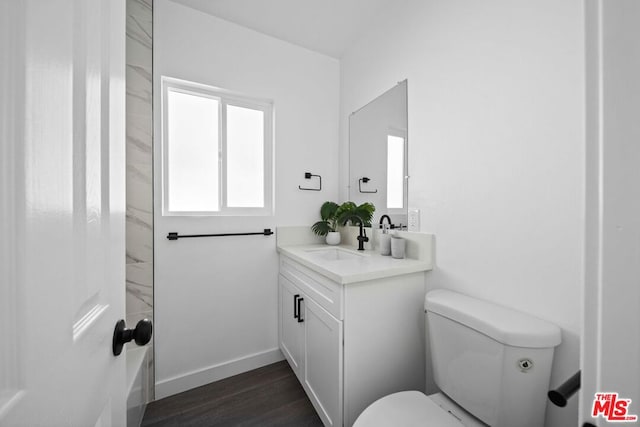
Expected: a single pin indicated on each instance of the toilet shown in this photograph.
(492, 365)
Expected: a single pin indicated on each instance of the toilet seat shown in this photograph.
(406, 409)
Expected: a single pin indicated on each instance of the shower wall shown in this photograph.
(139, 170)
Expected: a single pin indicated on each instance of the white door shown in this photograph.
(291, 329)
(323, 361)
(611, 338)
(62, 208)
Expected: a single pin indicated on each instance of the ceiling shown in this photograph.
(326, 26)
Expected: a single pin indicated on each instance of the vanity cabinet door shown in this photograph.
(323, 362)
(291, 330)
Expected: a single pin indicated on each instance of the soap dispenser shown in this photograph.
(385, 240)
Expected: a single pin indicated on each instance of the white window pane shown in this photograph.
(193, 148)
(395, 172)
(245, 157)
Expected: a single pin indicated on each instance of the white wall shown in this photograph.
(216, 298)
(611, 351)
(496, 148)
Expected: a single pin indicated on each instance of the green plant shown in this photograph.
(354, 214)
(332, 215)
(329, 220)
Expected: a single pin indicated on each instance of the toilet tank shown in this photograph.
(493, 361)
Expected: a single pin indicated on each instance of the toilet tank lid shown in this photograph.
(505, 325)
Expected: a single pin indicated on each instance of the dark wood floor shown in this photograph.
(269, 396)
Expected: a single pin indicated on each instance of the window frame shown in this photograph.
(225, 98)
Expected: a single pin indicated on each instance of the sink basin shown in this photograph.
(333, 254)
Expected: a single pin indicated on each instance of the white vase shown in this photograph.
(398, 245)
(333, 238)
(384, 242)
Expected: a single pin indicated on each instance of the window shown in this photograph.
(395, 172)
(217, 151)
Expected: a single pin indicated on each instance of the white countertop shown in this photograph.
(369, 265)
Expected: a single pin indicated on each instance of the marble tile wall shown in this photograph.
(139, 169)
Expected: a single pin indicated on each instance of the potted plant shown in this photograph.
(354, 214)
(332, 215)
(328, 224)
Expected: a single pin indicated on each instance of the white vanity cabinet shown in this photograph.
(291, 328)
(351, 343)
(311, 340)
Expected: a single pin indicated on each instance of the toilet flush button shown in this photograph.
(525, 364)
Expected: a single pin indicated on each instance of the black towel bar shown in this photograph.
(308, 175)
(567, 389)
(365, 180)
(176, 236)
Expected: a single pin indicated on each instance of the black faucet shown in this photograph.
(362, 237)
(382, 218)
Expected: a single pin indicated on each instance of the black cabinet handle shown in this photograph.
(296, 307)
(300, 319)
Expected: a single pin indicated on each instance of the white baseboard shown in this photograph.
(217, 372)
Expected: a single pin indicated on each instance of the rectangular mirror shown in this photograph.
(378, 155)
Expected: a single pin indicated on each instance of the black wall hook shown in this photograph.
(308, 175)
(365, 180)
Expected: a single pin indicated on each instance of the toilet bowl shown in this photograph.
(415, 409)
(491, 363)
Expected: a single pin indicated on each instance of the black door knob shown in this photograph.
(121, 335)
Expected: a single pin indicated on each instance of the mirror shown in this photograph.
(378, 155)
